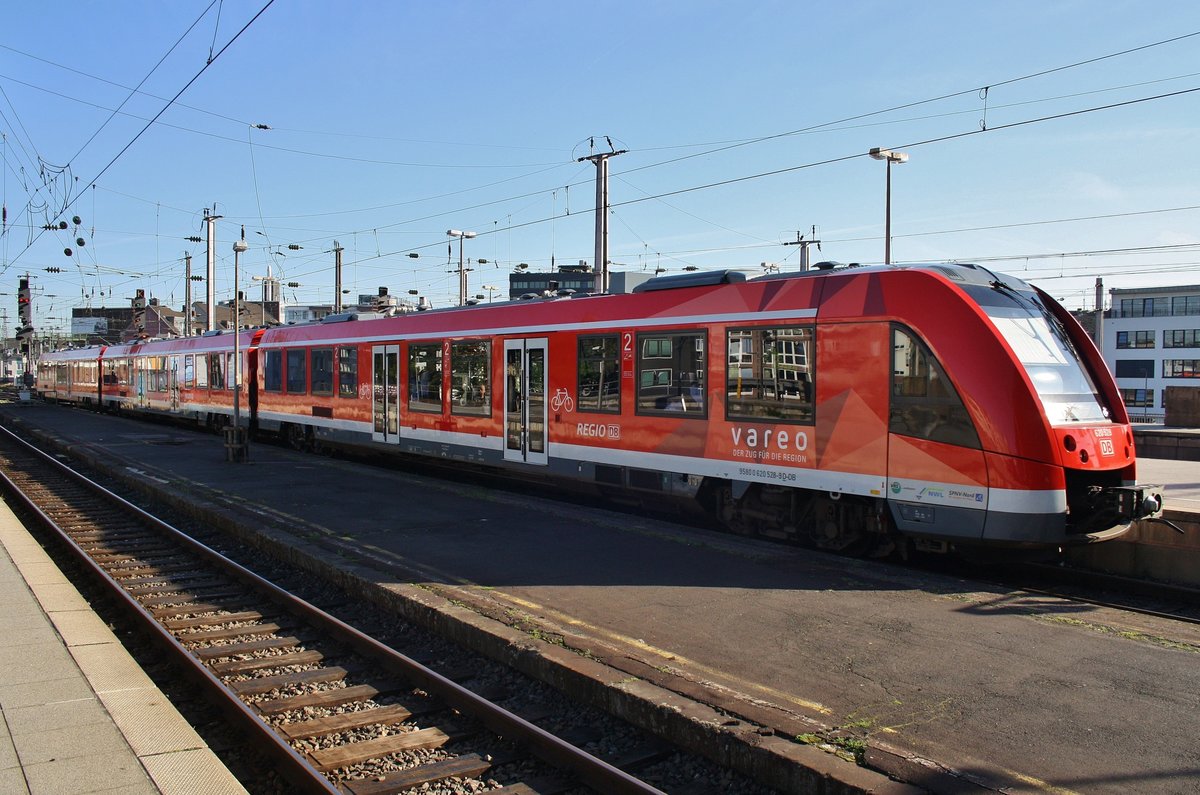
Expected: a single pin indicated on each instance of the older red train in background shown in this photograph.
(853, 408)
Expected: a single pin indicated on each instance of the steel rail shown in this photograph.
(1090, 579)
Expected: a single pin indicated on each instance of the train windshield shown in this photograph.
(1063, 385)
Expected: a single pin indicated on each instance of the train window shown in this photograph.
(297, 372)
(470, 378)
(321, 363)
(599, 387)
(232, 377)
(189, 371)
(348, 371)
(216, 371)
(425, 377)
(671, 369)
(156, 374)
(769, 374)
(924, 402)
(202, 371)
(272, 371)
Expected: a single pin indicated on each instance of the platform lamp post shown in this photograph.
(237, 442)
(462, 272)
(889, 157)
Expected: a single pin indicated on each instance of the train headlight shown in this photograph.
(1069, 443)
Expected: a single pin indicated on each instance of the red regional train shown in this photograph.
(850, 407)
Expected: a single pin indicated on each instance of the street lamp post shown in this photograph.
(490, 291)
(238, 448)
(889, 157)
(462, 272)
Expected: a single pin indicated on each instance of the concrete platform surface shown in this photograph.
(1014, 691)
(77, 714)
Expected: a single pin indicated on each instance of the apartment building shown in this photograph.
(1152, 341)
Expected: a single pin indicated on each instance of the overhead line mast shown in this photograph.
(601, 163)
(210, 221)
(804, 244)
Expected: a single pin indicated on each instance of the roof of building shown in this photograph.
(1176, 289)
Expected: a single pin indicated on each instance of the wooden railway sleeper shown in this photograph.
(386, 715)
(262, 685)
(327, 760)
(249, 647)
(191, 610)
(181, 597)
(228, 633)
(431, 773)
(208, 621)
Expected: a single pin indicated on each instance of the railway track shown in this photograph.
(1145, 597)
(334, 709)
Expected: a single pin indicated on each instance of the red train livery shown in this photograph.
(851, 407)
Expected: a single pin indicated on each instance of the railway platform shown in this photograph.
(78, 714)
(950, 684)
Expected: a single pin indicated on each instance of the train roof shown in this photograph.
(665, 299)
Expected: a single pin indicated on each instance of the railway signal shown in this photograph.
(24, 310)
(24, 316)
(139, 313)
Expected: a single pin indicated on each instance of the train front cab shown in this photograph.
(1032, 448)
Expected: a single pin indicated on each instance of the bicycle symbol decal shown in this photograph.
(562, 400)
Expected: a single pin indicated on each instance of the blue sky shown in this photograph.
(393, 122)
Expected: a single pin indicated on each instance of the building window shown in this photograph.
(599, 387)
(925, 404)
(671, 370)
(1181, 368)
(1135, 339)
(297, 372)
(1135, 368)
(1145, 307)
(470, 378)
(769, 374)
(425, 377)
(1185, 305)
(1182, 338)
(321, 362)
(348, 371)
(1138, 398)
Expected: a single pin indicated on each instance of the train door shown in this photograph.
(525, 401)
(385, 394)
(173, 382)
(141, 382)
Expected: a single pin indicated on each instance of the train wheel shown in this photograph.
(730, 513)
(297, 437)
